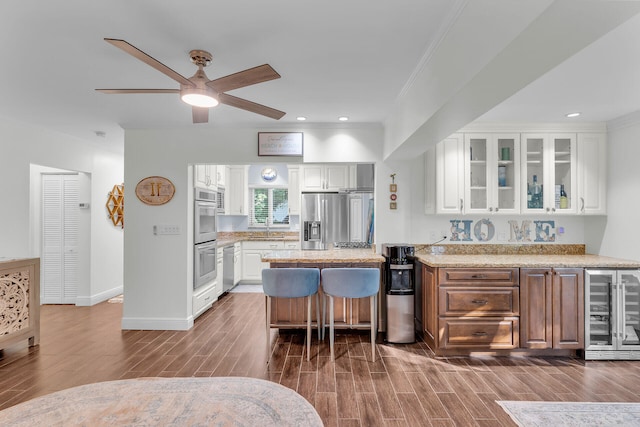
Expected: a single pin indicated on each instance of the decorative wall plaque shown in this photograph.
(280, 144)
(115, 205)
(155, 190)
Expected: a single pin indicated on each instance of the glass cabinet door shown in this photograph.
(492, 175)
(477, 179)
(533, 172)
(562, 195)
(599, 304)
(506, 195)
(629, 318)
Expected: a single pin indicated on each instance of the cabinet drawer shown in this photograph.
(263, 244)
(478, 276)
(479, 301)
(496, 333)
(203, 300)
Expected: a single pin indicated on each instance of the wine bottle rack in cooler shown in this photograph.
(612, 311)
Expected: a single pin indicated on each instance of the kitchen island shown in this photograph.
(523, 299)
(351, 314)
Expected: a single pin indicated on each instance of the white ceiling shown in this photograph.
(335, 57)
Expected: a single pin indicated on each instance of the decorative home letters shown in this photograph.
(484, 231)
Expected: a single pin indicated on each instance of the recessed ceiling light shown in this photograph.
(343, 118)
(576, 114)
(301, 118)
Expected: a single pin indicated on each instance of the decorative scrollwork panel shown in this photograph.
(14, 302)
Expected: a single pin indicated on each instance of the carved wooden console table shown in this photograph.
(19, 301)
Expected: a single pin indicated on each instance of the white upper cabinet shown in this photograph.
(221, 175)
(549, 175)
(592, 174)
(324, 177)
(237, 191)
(204, 176)
(492, 173)
(294, 189)
(450, 175)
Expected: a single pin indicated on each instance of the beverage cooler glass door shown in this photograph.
(629, 303)
(600, 303)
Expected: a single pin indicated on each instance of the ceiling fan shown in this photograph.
(200, 92)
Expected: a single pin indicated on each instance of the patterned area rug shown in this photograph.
(217, 401)
(582, 414)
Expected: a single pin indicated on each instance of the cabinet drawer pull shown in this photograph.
(478, 276)
(480, 301)
(479, 334)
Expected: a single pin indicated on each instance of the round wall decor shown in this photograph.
(269, 174)
(155, 190)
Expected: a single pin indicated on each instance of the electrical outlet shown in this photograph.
(161, 230)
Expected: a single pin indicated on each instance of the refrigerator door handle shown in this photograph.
(623, 310)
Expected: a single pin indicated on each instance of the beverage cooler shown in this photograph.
(612, 310)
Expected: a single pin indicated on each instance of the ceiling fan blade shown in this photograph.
(112, 91)
(250, 106)
(134, 51)
(259, 74)
(200, 115)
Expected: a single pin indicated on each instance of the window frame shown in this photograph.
(270, 207)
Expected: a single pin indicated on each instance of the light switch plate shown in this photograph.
(163, 229)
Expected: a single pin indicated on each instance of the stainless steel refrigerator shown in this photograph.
(330, 218)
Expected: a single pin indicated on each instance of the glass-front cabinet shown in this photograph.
(492, 175)
(549, 173)
(612, 309)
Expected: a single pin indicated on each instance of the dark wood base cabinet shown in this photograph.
(502, 310)
(552, 308)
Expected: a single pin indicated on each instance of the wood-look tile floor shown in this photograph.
(405, 386)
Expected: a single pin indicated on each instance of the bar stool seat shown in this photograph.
(352, 283)
(291, 283)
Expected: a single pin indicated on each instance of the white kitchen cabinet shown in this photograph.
(294, 189)
(552, 158)
(252, 252)
(220, 270)
(592, 174)
(204, 176)
(356, 223)
(324, 177)
(450, 175)
(221, 175)
(237, 191)
(237, 263)
(291, 245)
(204, 297)
(492, 173)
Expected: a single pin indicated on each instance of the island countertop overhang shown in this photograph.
(325, 256)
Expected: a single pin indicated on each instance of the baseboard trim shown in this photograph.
(98, 298)
(156, 324)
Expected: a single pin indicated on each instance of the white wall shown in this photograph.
(22, 146)
(158, 277)
(618, 234)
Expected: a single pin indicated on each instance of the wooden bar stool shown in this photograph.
(352, 283)
(291, 283)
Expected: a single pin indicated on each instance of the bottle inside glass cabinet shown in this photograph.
(535, 202)
(564, 200)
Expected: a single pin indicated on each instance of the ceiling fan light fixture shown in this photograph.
(196, 97)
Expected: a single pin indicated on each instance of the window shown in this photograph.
(269, 206)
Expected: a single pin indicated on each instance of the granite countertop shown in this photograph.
(226, 238)
(525, 261)
(330, 255)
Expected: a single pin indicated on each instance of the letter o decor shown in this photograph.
(480, 235)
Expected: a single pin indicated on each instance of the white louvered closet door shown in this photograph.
(60, 214)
